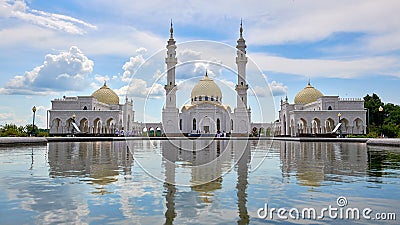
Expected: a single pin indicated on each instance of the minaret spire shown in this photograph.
(171, 31)
(241, 28)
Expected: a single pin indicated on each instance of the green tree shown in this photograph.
(386, 122)
(28, 129)
(372, 103)
(12, 130)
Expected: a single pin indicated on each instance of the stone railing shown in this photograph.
(351, 99)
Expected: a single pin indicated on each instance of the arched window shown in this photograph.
(216, 99)
(180, 124)
(218, 125)
(330, 108)
(241, 83)
(206, 98)
(200, 98)
(85, 108)
(231, 124)
(212, 98)
(194, 124)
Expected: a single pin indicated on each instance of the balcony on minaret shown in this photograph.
(242, 87)
(170, 87)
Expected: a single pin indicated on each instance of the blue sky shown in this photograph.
(54, 48)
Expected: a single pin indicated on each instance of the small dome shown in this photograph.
(106, 95)
(307, 95)
(206, 88)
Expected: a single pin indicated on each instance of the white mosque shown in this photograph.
(315, 114)
(100, 113)
(311, 114)
(206, 114)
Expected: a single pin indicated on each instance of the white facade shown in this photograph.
(321, 116)
(206, 114)
(91, 116)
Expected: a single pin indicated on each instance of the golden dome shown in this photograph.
(307, 95)
(206, 87)
(106, 95)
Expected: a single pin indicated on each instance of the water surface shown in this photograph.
(192, 182)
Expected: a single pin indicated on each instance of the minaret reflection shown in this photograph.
(170, 156)
(242, 154)
(204, 160)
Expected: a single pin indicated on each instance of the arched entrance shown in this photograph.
(56, 126)
(329, 125)
(110, 126)
(302, 126)
(316, 126)
(207, 125)
(84, 125)
(97, 126)
(358, 126)
(345, 126)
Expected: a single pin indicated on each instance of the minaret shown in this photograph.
(241, 61)
(170, 114)
(171, 62)
(242, 112)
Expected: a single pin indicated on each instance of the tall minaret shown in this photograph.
(242, 112)
(170, 114)
(171, 62)
(241, 61)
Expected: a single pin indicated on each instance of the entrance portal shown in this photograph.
(206, 129)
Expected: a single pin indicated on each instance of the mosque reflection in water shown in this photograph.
(311, 164)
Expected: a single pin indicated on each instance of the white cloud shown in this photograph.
(139, 88)
(65, 71)
(274, 89)
(141, 50)
(278, 89)
(194, 64)
(345, 68)
(131, 67)
(101, 79)
(303, 21)
(18, 9)
(6, 116)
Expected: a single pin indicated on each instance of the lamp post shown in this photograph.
(33, 121)
(340, 129)
(381, 118)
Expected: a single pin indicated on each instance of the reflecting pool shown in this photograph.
(197, 182)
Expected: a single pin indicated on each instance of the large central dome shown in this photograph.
(307, 95)
(106, 95)
(206, 90)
